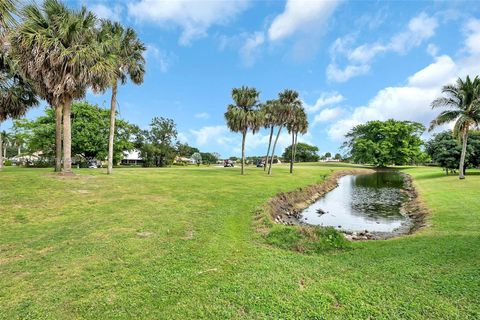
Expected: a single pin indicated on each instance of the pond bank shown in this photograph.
(286, 208)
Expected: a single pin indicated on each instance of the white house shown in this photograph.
(132, 157)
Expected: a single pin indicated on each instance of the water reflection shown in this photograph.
(361, 202)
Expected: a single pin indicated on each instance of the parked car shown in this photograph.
(228, 163)
(92, 164)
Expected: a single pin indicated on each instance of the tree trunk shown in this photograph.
(19, 150)
(113, 106)
(462, 157)
(244, 134)
(295, 146)
(58, 138)
(67, 136)
(291, 152)
(1, 150)
(268, 150)
(273, 150)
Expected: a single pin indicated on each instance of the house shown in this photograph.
(132, 158)
(185, 160)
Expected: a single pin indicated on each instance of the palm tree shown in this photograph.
(288, 101)
(125, 52)
(297, 123)
(7, 10)
(462, 101)
(269, 121)
(244, 115)
(58, 51)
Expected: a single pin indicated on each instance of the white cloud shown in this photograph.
(112, 12)
(432, 50)
(472, 43)
(419, 29)
(193, 17)
(249, 50)
(164, 59)
(327, 115)
(325, 99)
(202, 115)
(300, 15)
(411, 101)
(182, 137)
(209, 135)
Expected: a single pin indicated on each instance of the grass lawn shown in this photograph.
(180, 243)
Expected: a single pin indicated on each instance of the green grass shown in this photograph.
(181, 243)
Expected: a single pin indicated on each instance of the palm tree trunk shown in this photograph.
(58, 138)
(273, 150)
(113, 105)
(244, 134)
(268, 150)
(462, 157)
(19, 149)
(291, 152)
(67, 136)
(295, 146)
(1, 150)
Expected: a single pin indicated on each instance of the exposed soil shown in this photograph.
(286, 208)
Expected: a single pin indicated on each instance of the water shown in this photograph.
(361, 202)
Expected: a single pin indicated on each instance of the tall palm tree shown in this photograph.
(58, 51)
(288, 101)
(268, 110)
(297, 123)
(244, 115)
(462, 101)
(125, 52)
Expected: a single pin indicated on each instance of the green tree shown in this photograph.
(7, 11)
(384, 143)
(462, 103)
(244, 115)
(197, 157)
(184, 150)
(288, 100)
(445, 150)
(304, 153)
(58, 51)
(90, 126)
(269, 112)
(338, 156)
(208, 158)
(125, 53)
(157, 147)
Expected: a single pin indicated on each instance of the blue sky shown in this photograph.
(351, 62)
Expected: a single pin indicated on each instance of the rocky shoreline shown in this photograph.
(286, 208)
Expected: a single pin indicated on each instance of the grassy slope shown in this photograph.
(69, 248)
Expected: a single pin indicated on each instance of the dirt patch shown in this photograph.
(286, 208)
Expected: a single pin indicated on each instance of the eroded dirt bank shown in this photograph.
(286, 207)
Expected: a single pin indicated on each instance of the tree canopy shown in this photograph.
(304, 153)
(384, 143)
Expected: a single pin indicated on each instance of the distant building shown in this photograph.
(132, 158)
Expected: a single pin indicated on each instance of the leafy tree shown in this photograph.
(244, 115)
(462, 101)
(288, 100)
(384, 143)
(304, 152)
(328, 155)
(338, 156)
(7, 11)
(184, 150)
(58, 51)
(90, 125)
(208, 158)
(269, 111)
(125, 52)
(445, 150)
(157, 146)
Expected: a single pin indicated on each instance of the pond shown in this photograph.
(370, 202)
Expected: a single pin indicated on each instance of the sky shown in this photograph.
(350, 61)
